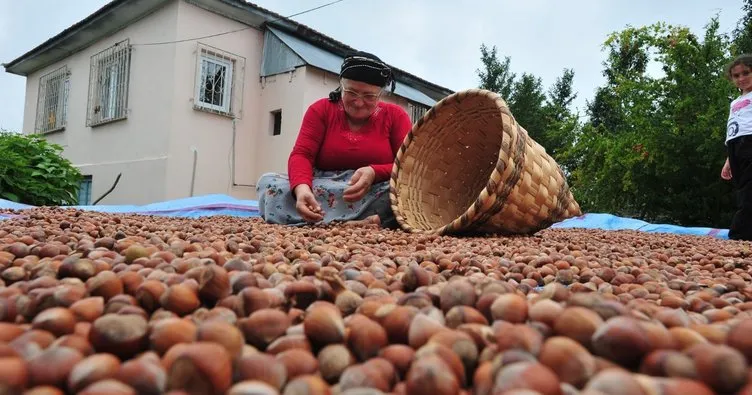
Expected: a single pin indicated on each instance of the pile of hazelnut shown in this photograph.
(94, 303)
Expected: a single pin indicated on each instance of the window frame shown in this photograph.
(44, 109)
(227, 85)
(109, 80)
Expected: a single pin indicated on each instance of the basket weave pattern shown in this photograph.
(468, 167)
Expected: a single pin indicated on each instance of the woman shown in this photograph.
(738, 166)
(340, 165)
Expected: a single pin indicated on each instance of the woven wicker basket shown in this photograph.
(468, 167)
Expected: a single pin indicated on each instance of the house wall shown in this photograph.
(210, 134)
(136, 146)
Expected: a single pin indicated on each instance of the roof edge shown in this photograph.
(9, 67)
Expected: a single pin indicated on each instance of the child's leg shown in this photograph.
(740, 160)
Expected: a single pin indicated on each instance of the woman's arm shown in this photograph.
(306, 148)
(401, 125)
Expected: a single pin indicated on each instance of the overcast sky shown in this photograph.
(438, 40)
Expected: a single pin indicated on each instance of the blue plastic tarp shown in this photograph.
(612, 222)
(193, 207)
(209, 205)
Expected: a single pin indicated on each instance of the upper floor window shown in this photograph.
(416, 111)
(218, 81)
(108, 84)
(52, 101)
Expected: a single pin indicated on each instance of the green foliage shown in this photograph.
(653, 147)
(546, 116)
(32, 171)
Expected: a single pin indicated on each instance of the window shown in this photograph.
(84, 192)
(108, 84)
(52, 102)
(416, 111)
(276, 123)
(218, 81)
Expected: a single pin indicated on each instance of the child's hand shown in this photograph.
(726, 171)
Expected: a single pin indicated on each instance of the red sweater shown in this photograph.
(325, 141)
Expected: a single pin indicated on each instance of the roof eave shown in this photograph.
(105, 21)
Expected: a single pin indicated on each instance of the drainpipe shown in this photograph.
(193, 176)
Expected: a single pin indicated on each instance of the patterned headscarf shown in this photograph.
(364, 67)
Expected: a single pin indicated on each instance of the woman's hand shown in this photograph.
(726, 171)
(306, 204)
(360, 183)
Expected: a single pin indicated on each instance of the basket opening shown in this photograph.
(449, 163)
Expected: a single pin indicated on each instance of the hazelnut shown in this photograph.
(121, 335)
(57, 320)
(14, 374)
(223, 333)
(180, 299)
(145, 374)
(52, 366)
(333, 360)
(148, 294)
(252, 387)
(298, 362)
(261, 367)
(400, 355)
(109, 387)
(720, 367)
(76, 342)
(526, 375)
(509, 307)
(213, 284)
(92, 369)
(105, 284)
(170, 331)
(578, 323)
(365, 337)
(614, 381)
(288, 342)
(198, 368)
(427, 376)
(88, 309)
(9, 331)
(668, 363)
(568, 359)
(307, 385)
(323, 324)
(458, 292)
(264, 326)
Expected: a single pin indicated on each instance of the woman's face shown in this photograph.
(742, 77)
(360, 99)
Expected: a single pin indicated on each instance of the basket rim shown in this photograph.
(470, 214)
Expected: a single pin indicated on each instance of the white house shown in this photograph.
(183, 97)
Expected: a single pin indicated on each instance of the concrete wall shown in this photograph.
(211, 134)
(136, 146)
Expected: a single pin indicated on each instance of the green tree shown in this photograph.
(32, 171)
(561, 123)
(653, 147)
(496, 75)
(547, 118)
(526, 104)
(742, 35)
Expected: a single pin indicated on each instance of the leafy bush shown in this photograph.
(32, 171)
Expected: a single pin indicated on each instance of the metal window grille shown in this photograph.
(52, 101)
(84, 192)
(416, 111)
(108, 84)
(219, 81)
